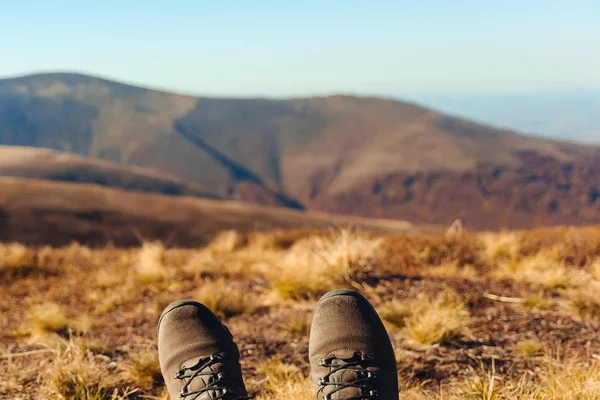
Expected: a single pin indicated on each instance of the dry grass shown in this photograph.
(317, 264)
(150, 267)
(595, 269)
(530, 348)
(537, 302)
(226, 242)
(224, 299)
(78, 374)
(453, 271)
(300, 389)
(284, 381)
(48, 318)
(396, 312)
(270, 282)
(585, 301)
(556, 380)
(440, 320)
(501, 247)
(13, 255)
(542, 269)
(144, 369)
(298, 324)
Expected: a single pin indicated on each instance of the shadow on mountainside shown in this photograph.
(237, 172)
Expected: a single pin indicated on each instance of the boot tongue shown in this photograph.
(344, 376)
(205, 378)
(209, 374)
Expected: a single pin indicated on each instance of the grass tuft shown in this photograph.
(284, 381)
(441, 320)
(542, 269)
(530, 348)
(537, 302)
(396, 312)
(451, 270)
(143, 370)
(48, 318)
(77, 374)
(314, 265)
(149, 266)
(224, 299)
(227, 242)
(585, 301)
(501, 247)
(298, 324)
(13, 255)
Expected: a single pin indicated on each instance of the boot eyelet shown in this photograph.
(178, 374)
(183, 392)
(322, 382)
(373, 375)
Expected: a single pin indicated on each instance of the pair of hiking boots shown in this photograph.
(351, 356)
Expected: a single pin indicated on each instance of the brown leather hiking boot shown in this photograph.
(351, 356)
(198, 357)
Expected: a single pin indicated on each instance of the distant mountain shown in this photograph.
(357, 155)
(567, 114)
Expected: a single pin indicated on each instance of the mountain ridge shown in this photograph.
(319, 153)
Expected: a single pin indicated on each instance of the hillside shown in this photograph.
(40, 163)
(357, 155)
(55, 213)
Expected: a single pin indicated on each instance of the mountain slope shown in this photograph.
(58, 213)
(40, 163)
(330, 153)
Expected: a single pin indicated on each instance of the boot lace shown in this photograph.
(217, 381)
(365, 379)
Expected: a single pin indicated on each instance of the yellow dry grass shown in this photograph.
(77, 374)
(284, 381)
(396, 312)
(585, 301)
(556, 380)
(13, 255)
(542, 269)
(314, 265)
(48, 317)
(84, 327)
(150, 263)
(224, 299)
(530, 348)
(440, 320)
(144, 369)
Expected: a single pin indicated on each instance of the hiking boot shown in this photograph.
(351, 356)
(198, 357)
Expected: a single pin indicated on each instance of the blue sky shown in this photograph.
(285, 48)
